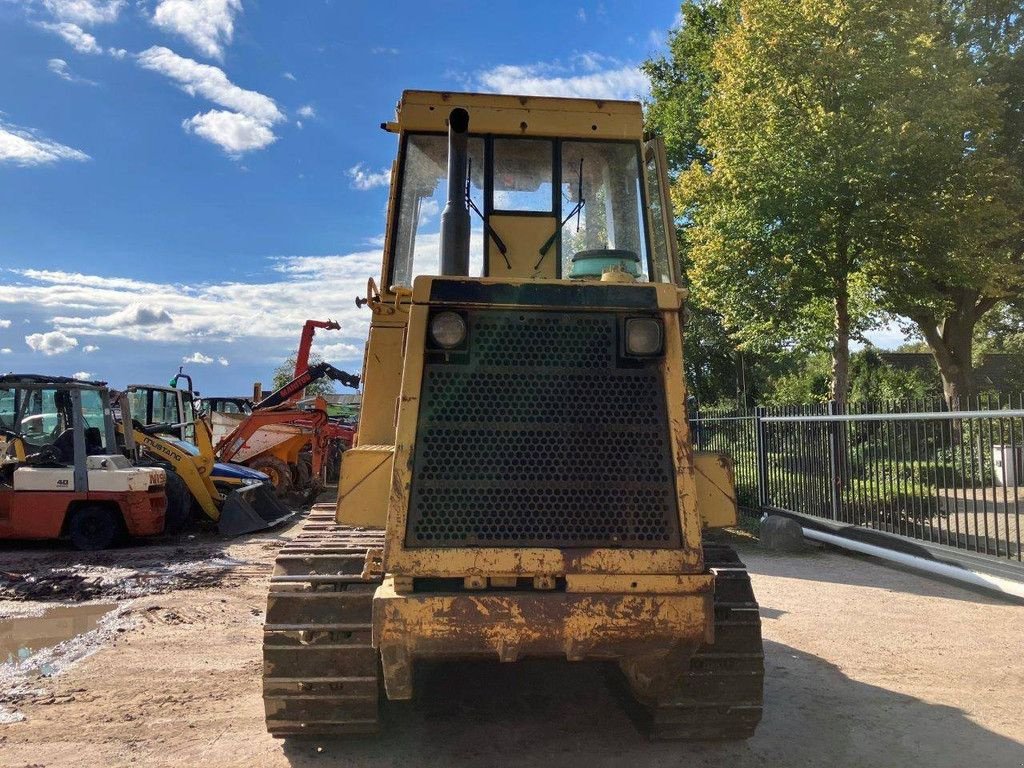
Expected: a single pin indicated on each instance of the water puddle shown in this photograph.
(22, 636)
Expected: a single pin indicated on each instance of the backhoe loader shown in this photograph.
(289, 443)
(168, 434)
(523, 482)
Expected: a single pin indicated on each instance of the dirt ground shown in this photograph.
(866, 666)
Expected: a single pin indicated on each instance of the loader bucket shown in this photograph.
(251, 508)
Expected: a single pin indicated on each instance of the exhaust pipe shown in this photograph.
(455, 219)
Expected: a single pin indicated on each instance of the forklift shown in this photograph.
(61, 473)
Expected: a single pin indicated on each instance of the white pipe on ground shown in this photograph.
(965, 575)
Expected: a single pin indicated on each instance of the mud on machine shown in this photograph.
(522, 482)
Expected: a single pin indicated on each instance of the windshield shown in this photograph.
(515, 181)
(424, 193)
(612, 215)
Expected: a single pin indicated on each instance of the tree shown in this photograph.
(823, 128)
(285, 372)
(680, 86)
(682, 82)
(962, 252)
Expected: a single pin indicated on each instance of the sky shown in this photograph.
(185, 182)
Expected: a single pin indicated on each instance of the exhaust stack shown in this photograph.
(455, 218)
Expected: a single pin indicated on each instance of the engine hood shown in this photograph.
(227, 471)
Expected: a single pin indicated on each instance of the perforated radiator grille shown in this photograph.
(537, 437)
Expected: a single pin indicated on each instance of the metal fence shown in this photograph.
(950, 478)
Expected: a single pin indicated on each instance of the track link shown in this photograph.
(720, 696)
(321, 675)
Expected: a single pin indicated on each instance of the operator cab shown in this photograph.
(41, 411)
(540, 207)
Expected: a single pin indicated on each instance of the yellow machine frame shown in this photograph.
(652, 609)
(667, 587)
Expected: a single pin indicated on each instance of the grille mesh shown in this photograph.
(537, 438)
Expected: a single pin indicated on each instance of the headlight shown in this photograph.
(644, 337)
(448, 329)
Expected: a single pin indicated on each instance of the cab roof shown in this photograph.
(501, 114)
(36, 379)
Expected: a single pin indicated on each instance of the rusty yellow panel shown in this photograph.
(523, 236)
(640, 584)
(511, 625)
(522, 115)
(363, 485)
(716, 490)
(382, 378)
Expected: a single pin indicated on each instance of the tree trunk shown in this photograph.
(952, 344)
(841, 343)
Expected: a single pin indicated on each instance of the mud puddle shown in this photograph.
(22, 636)
(39, 644)
(83, 581)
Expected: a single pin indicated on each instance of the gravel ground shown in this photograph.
(866, 666)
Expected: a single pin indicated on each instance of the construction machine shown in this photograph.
(523, 483)
(61, 474)
(288, 443)
(168, 433)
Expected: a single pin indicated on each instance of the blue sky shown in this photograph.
(189, 180)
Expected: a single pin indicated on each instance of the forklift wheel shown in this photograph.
(179, 504)
(94, 527)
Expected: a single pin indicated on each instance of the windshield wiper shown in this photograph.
(502, 248)
(577, 209)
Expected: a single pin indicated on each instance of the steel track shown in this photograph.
(320, 673)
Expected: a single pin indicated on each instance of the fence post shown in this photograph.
(761, 456)
(834, 459)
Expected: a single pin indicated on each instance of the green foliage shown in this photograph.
(682, 82)
(871, 380)
(807, 383)
(285, 372)
(806, 131)
(841, 153)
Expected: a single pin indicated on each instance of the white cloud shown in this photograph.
(85, 12)
(5, 351)
(307, 111)
(265, 315)
(211, 83)
(89, 348)
(383, 51)
(223, 361)
(59, 67)
(51, 343)
(134, 315)
(581, 79)
(5, 323)
(22, 146)
(364, 179)
(246, 123)
(232, 132)
(429, 209)
(82, 375)
(209, 25)
(198, 358)
(338, 351)
(289, 76)
(581, 14)
(74, 36)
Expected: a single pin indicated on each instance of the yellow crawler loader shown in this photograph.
(523, 482)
